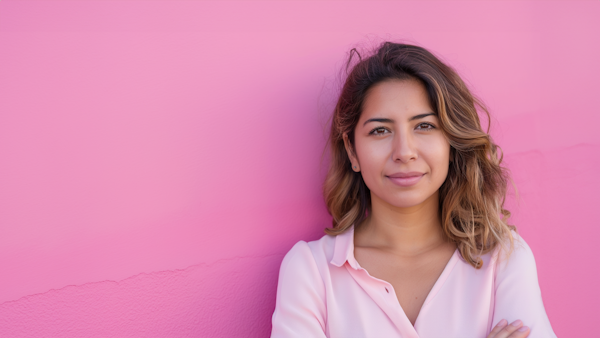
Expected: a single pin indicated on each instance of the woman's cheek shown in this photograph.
(372, 163)
(440, 158)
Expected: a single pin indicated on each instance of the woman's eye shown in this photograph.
(378, 131)
(425, 126)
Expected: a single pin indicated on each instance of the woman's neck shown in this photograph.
(406, 231)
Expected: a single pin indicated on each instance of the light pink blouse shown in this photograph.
(323, 292)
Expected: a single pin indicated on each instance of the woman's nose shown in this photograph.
(404, 148)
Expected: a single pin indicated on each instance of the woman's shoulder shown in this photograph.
(317, 252)
(515, 258)
(515, 246)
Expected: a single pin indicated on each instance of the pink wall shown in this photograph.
(158, 158)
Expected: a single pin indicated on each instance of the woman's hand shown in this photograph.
(514, 330)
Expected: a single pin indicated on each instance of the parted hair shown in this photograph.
(471, 199)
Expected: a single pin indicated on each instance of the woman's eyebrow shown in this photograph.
(378, 120)
(382, 120)
(420, 116)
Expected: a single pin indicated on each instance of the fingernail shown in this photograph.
(502, 323)
(523, 329)
(517, 322)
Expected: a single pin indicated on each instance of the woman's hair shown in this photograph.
(472, 196)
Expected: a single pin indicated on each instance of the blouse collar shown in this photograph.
(343, 250)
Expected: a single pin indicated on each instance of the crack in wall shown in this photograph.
(160, 273)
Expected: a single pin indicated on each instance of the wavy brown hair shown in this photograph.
(472, 196)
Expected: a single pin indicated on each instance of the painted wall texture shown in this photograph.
(158, 158)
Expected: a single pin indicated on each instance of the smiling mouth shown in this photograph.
(406, 180)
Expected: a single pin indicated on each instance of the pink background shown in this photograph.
(158, 159)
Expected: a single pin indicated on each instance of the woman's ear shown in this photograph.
(351, 154)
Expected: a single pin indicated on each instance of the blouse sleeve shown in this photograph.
(518, 294)
(300, 307)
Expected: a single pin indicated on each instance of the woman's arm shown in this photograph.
(518, 294)
(300, 309)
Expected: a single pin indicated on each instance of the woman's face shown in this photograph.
(400, 150)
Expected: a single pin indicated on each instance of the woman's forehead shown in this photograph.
(396, 100)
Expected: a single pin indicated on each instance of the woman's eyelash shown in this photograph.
(373, 131)
(430, 126)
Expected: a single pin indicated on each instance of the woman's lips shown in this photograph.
(406, 179)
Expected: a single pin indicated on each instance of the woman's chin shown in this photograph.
(409, 200)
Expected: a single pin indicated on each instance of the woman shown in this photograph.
(420, 245)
